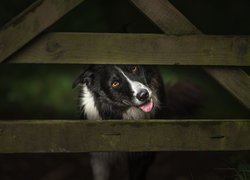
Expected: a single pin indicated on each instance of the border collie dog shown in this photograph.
(129, 92)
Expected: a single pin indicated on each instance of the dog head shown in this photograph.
(120, 85)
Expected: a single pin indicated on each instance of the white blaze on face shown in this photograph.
(135, 85)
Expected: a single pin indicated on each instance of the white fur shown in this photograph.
(88, 103)
(101, 162)
(135, 85)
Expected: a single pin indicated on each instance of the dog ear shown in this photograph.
(84, 77)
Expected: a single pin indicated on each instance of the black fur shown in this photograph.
(110, 102)
(183, 99)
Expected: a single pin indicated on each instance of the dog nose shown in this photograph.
(142, 95)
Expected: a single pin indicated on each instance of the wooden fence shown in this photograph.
(182, 44)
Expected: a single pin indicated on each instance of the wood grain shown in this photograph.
(166, 17)
(94, 48)
(30, 23)
(53, 136)
(235, 80)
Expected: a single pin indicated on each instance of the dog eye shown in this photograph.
(134, 69)
(115, 84)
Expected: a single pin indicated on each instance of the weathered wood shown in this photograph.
(96, 48)
(154, 135)
(165, 16)
(170, 20)
(237, 81)
(30, 23)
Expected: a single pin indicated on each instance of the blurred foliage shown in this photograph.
(217, 103)
(38, 91)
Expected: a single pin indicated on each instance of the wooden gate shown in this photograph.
(182, 44)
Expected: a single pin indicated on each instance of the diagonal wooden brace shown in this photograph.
(30, 23)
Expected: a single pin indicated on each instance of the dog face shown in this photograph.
(119, 85)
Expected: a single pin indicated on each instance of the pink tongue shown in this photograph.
(148, 106)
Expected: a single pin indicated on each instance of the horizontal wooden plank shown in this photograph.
(37, 136)
(94, 48)
(235, 80)
(27, 25)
